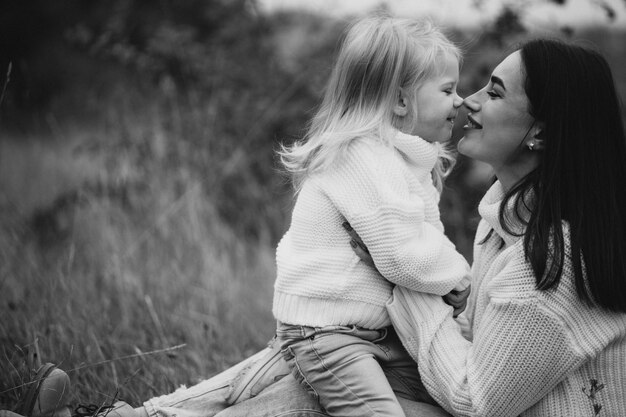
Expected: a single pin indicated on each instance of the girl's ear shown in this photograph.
(401, 108)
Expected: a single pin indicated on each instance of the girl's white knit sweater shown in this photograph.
(532, 352)
(387, 195)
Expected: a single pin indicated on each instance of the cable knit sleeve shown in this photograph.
(522, 347)
(374, 191)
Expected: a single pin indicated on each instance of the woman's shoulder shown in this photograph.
(516, 283)
(516, 277)
(513, 277)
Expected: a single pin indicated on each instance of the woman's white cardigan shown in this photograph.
(533, 353)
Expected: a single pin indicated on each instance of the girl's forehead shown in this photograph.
(448, 67)
(442, 62)
(448, 59)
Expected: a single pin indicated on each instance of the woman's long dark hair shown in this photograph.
(581, 177)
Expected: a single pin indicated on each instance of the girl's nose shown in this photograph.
(458, 101)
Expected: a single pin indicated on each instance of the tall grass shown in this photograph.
(112, 246)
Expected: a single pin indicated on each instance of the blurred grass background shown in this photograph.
(140, 199)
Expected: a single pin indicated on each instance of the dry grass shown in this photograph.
(104, 259)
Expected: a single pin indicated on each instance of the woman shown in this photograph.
(546, 319)
(547, 309)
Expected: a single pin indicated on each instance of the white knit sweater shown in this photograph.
(532, 351)
(387, 195)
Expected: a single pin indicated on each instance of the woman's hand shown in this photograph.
(456, 299)
(358, 246)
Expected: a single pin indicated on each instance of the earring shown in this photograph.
(531, 145)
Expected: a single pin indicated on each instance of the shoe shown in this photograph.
(48, 394)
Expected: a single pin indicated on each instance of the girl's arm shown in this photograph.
(374, 194)
(455, 298)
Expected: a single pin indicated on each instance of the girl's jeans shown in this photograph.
(283, 398)
(347, 368)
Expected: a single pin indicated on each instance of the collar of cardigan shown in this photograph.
(489, 209)
(417, 151)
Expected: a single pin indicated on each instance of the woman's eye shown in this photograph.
(492, 94)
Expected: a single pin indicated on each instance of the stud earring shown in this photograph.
(531, 145)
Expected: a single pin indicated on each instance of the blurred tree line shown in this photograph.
(225, 86)
(210, 66)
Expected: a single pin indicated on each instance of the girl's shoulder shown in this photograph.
(369, 144)
(371, 151)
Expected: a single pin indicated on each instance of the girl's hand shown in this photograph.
(358, 246)
(456, 299)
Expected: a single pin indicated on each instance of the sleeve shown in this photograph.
(371, 190)
(519, 353)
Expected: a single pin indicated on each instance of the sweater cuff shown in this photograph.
(409, 309)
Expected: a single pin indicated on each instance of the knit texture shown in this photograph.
(387, 195)
(531, 352)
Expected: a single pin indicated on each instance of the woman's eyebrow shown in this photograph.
(498, 80)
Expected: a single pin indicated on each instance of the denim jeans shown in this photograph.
(345, 368)
(283, 398)
(287, 398)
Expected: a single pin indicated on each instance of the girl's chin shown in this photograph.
(446, 137)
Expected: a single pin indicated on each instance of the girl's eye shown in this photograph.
(448, 92)
(493, 94)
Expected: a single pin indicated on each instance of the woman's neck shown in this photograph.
(509, 175)
(507, 179)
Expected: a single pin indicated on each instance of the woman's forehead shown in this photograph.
(509, 71)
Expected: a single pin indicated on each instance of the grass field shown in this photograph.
(104, 259)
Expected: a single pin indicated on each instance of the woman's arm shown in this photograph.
(519, 353)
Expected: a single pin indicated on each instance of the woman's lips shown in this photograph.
(472, 123)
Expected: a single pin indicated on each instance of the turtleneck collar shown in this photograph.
(489, 209)
(418, 151)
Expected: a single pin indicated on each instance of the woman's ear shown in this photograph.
(401, 108)
(536, 143)
(537, 132)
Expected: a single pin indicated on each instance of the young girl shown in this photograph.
(370, 158)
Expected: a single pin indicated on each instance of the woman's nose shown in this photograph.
(472, 103)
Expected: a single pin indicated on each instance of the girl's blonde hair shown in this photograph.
(378, 56)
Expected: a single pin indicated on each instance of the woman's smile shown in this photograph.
(472, 123)
(498, 123)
